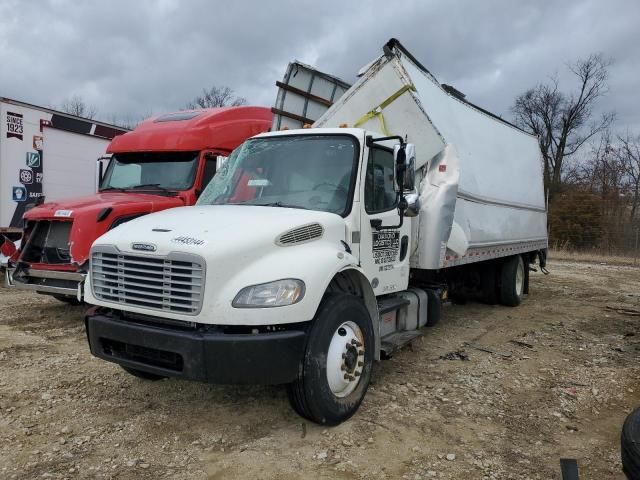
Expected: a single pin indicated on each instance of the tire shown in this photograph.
(434, 307)
(142, 374)
(321, 393)
(489, 284)
(512, 279)
(68, 299)
(630, 445)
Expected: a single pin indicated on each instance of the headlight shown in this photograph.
(272, 294)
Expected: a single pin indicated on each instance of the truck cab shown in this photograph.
(297, 229)
(166, 162)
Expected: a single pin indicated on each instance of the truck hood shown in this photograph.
(221, 228)
(84, 211)
(75, 207)
(235, 246)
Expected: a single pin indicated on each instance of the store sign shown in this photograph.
(33, 160)
(37, 142)
(19, 194)
(15, 125)
(26, 176)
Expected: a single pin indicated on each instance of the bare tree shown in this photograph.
(77, 106)
(563, 122)
(217, 97)
(629, 156)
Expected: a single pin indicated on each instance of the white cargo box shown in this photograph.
(47, 153)
(304, 95)
(480, 178)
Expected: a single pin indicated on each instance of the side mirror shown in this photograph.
(405, 160)
(101, 165)
(410, 167)
(413, 204)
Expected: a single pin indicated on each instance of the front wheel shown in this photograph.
(337, 363)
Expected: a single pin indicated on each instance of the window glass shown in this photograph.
(168, 170)
(313, 172)
(209, 170)
(379, 192)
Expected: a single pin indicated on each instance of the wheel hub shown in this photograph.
(350, 359)
(345, 359)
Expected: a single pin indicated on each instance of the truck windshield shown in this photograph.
(314, 172)
(164, 170)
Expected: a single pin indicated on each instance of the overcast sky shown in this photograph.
(132, 58)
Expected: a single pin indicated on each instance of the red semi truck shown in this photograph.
(163, 163)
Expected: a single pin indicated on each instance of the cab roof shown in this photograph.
(221, 129)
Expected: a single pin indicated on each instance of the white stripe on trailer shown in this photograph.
(478, 254)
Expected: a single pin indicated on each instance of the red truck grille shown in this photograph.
(174, 283)
(48, 243)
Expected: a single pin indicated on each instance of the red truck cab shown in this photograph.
(165, 162)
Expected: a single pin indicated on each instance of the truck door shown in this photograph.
(384, 253)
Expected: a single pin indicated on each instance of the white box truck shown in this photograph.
(45, 153)
(315, 252)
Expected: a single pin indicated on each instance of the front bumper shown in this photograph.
(47, 281)
(202, 353)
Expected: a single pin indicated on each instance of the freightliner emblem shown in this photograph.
(145, 247)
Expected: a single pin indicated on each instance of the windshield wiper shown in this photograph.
(155, 185)
(277, 204)
(111, 189)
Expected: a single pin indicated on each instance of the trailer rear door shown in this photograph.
(69, 163)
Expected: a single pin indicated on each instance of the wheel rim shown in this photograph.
(345, 359)
(519, 278)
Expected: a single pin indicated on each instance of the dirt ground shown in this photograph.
(441, 409)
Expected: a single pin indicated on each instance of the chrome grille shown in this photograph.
(302, 234)
(173, 284)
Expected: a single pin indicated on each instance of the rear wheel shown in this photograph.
(489, 283)
(337, 363)
(512, 280)
(142, 374)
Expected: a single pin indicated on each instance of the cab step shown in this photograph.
(395, 341)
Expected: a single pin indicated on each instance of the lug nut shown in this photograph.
(357, 374)
(360, 352)
(361, 364)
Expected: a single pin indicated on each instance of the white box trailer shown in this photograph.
(47, 153)
(314, 252)
(479, 178)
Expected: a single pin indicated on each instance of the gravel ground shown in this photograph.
(561, 374)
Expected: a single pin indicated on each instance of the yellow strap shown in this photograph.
(377, 112)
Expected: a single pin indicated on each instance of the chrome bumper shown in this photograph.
(32, 273)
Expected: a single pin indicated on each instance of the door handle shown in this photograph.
(404, 246)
